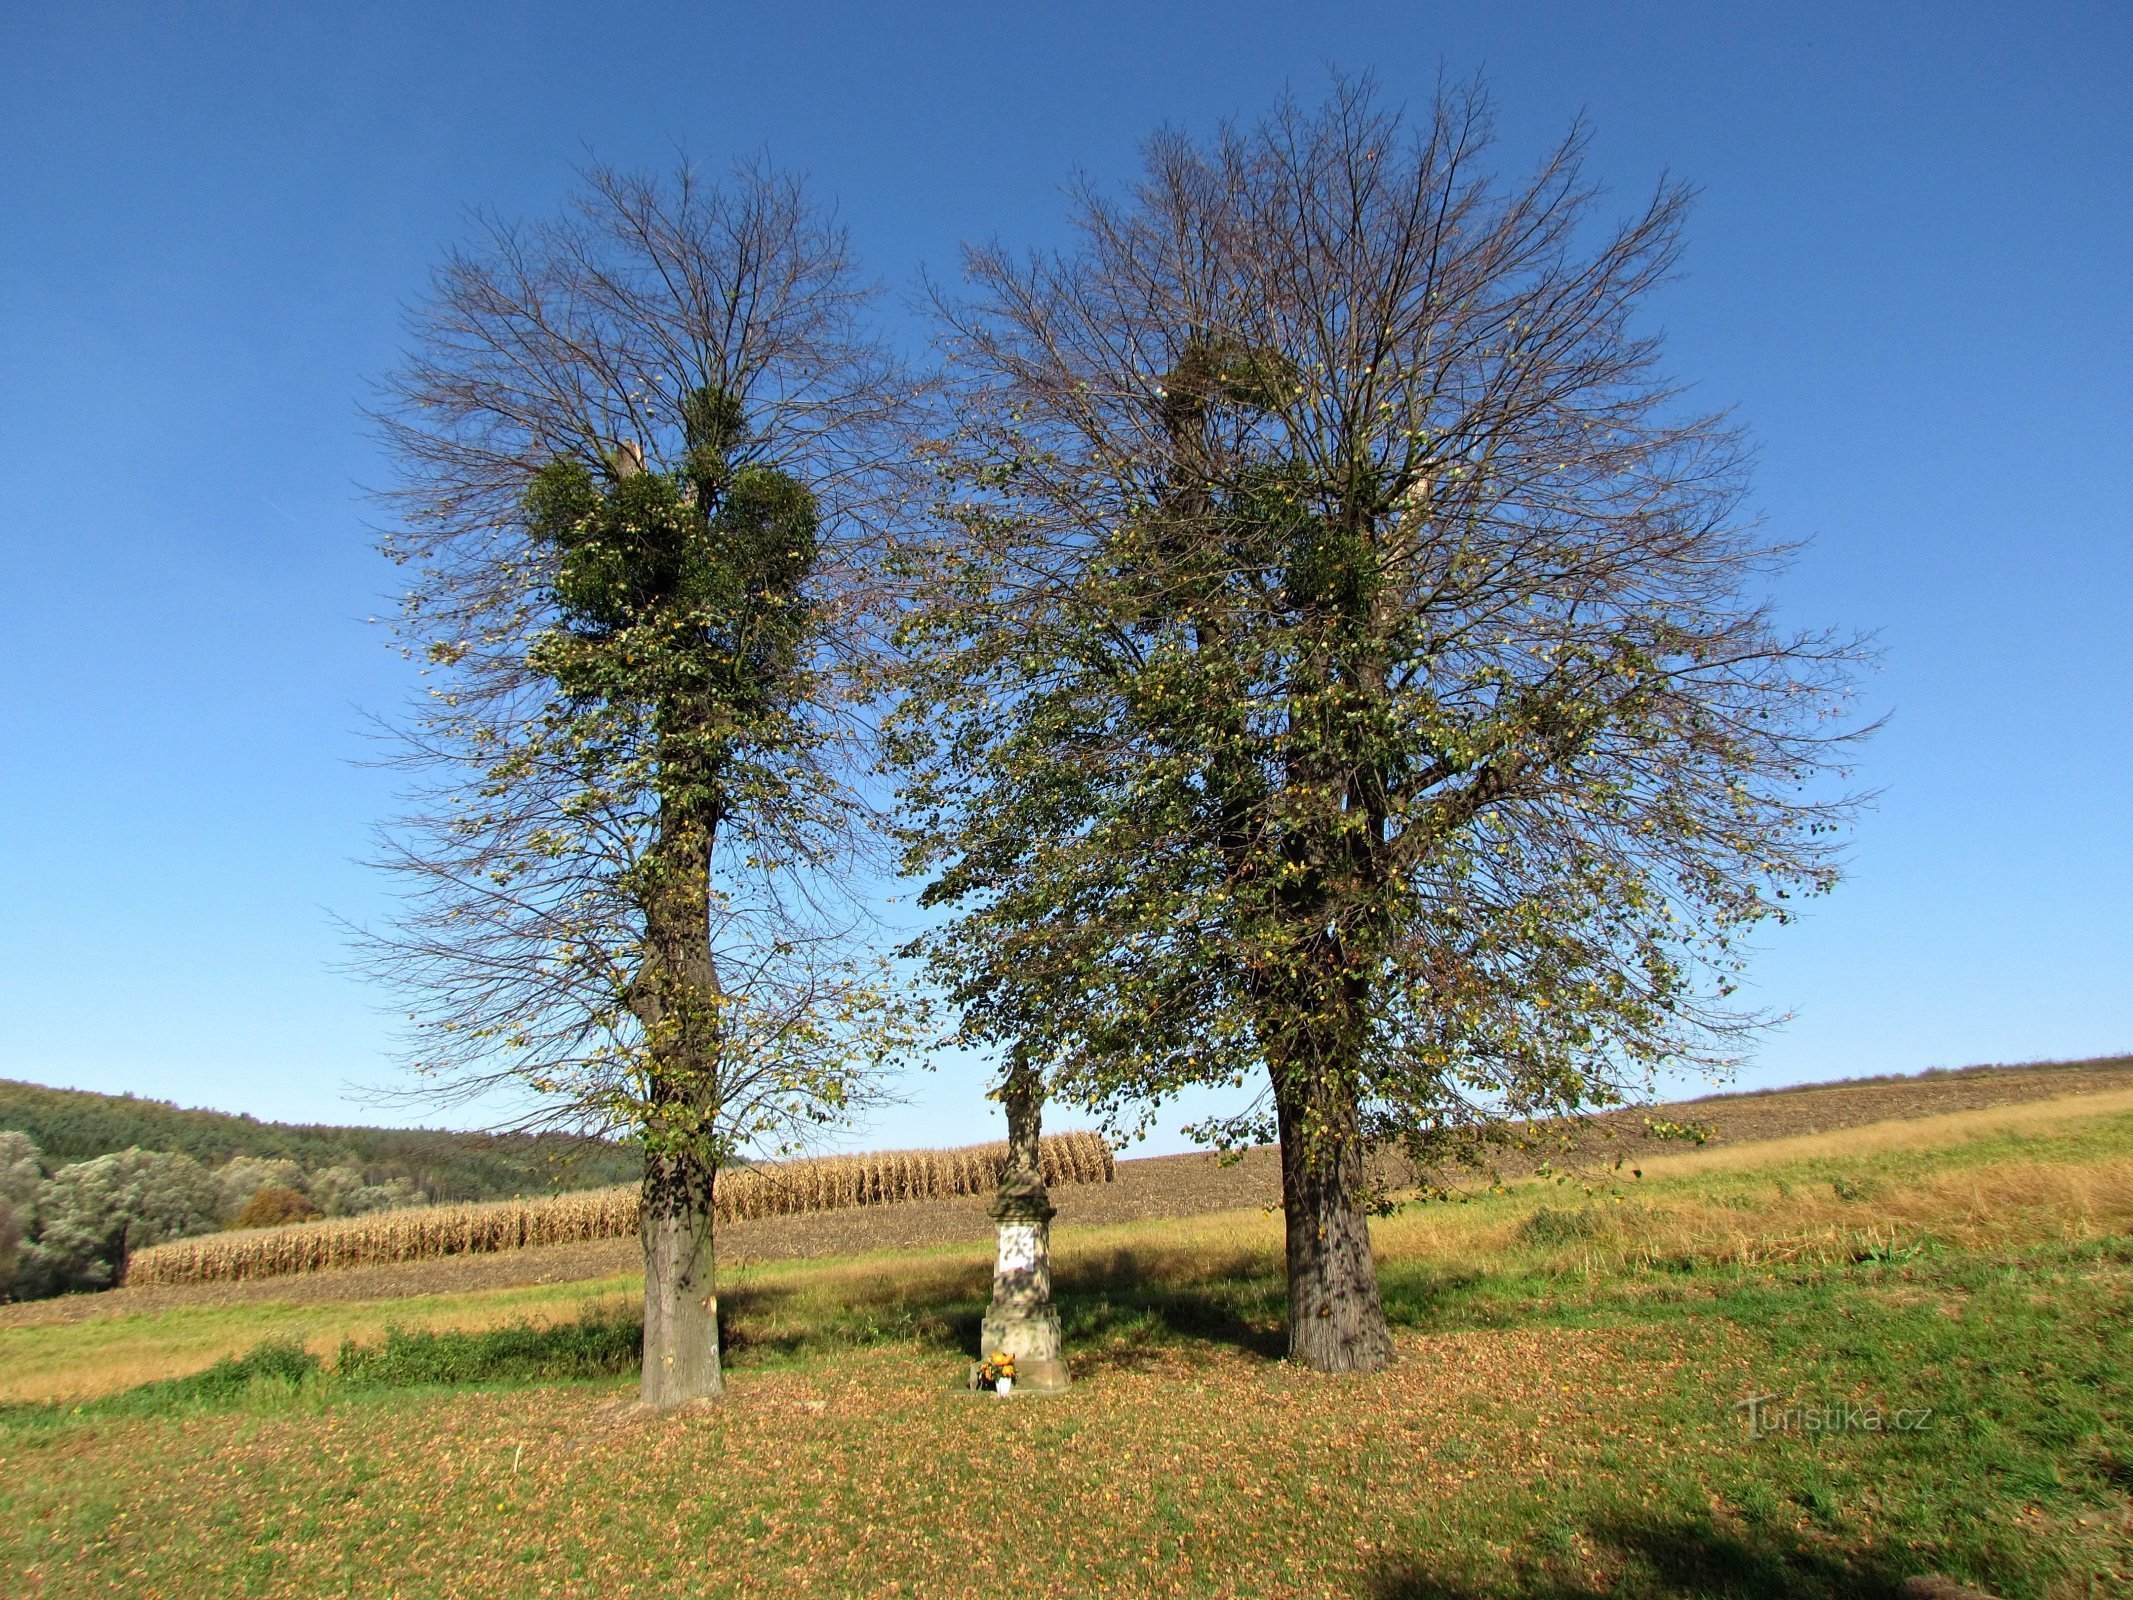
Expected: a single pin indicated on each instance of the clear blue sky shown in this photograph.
(1908, 272)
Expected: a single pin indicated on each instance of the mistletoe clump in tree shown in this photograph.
(642, 449)
(680, 656)
(1338, 666)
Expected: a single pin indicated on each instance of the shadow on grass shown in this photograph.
(1117, 1308)
(1110, 1306)
(1675, 1559)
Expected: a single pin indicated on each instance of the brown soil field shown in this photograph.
(1147, 1187)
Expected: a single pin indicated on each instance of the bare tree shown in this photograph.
(644, 450)
(1340, 665)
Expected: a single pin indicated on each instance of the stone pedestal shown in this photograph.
(1021, 1320)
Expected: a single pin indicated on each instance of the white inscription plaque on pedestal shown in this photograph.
(1018, 1247)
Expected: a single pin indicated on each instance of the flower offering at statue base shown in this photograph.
(996, 1373)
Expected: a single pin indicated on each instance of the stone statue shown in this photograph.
(1021, 1320)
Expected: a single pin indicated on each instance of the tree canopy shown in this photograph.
(1340, 663)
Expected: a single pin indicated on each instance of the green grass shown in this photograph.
(102, 1353)
(1563, 1420)
(279, 1372)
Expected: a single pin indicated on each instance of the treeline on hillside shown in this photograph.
(74, 1225)
(71, 1125)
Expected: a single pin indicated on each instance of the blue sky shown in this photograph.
(1906, 274)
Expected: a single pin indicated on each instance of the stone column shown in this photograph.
(1021, 1320)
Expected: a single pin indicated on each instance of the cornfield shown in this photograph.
(421, 1233)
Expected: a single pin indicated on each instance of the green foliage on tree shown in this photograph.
(680, 657)
(82, 1221)
(1339, 668)
(21, 1171)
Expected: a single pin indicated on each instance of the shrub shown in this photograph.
(334, 1191)
(344, 1192)
(278, 1360)
(21, 1173)
(283, 1363)
(274, 1205)
(601, 1343)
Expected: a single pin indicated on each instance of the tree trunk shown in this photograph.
(1336, 1319)
(680, 1291)
(676, 996)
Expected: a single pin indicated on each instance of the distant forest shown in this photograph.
(77, 1125)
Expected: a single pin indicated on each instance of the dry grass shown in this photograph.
(1546, 1431)
(422, 1233)
(1990, 1208)
(1209, 1474)
(1895, 1134)
(1781, 1125)
(1822, 1198)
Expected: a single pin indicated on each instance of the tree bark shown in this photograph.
(1336, 1318)
(677, 997)
(680, 1290)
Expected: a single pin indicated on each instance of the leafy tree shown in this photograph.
(21, 1171)
(241, 1178)
(336, 1191)
(21, 1176)
(643, 450)
(343, 1192)
(1339, 665)
(10, 1248)
(92, 1214)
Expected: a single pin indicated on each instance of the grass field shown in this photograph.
(1936, 1309)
